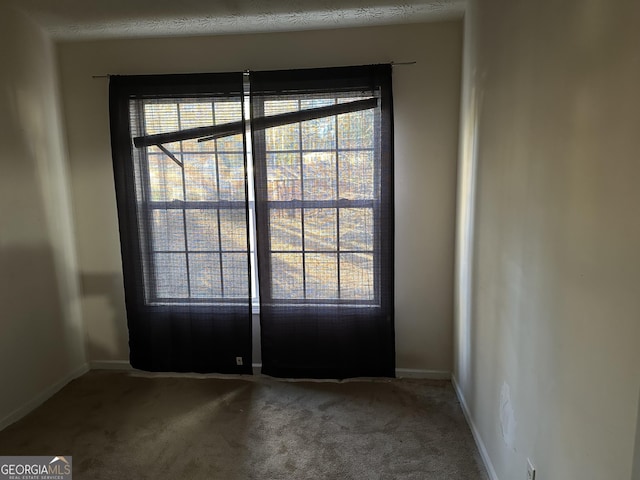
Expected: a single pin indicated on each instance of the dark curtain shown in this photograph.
(324, 207)
(182, 210)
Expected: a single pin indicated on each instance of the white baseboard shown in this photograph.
(42, 397)
(426, 374)
(400, 373)
(125, 365)
(110, 365)
(257, 368)
(476, 434)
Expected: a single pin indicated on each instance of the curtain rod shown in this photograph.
(393, 64)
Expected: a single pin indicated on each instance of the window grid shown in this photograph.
(304, 205)
(337, 204)
(184, 206)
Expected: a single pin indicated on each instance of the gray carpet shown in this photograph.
(127, 425)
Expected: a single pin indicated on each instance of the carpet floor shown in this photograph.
(131, 425)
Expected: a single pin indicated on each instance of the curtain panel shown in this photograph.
(324, 206)
(183, 216)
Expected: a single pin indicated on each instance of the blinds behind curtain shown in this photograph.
(325, 224)
(183, 215)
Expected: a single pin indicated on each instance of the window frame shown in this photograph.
(151, 287)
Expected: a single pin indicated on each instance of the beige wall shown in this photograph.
(467, 144)
(426, 98)
(41, 338)
(547, 337)
(636, 457)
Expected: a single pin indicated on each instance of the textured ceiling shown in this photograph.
(92, 19)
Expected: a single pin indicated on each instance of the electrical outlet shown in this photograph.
(531, 472)
(239, 361)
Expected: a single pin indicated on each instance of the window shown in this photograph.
(192, 200)
(321, 196)
(285, 177)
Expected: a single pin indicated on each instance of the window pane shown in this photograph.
(286, 229)
(356, 130)
(357, 175)
(231, 143)
(233, 229)
(161, 118)
(319, 176)
(204, 269)
(316, 103)
(200, 174)
(236, 275)
(320, 229)
(285, 137)
(232, 177)
(283, 174)
(227, 111)
(356, 276)
(202, 230)
(171, 275)
(319, 134)
(356, 229)
(194, 115)
(276, 107)
(321, 275)
(166, 179)
(286, 276)
(168, 230)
